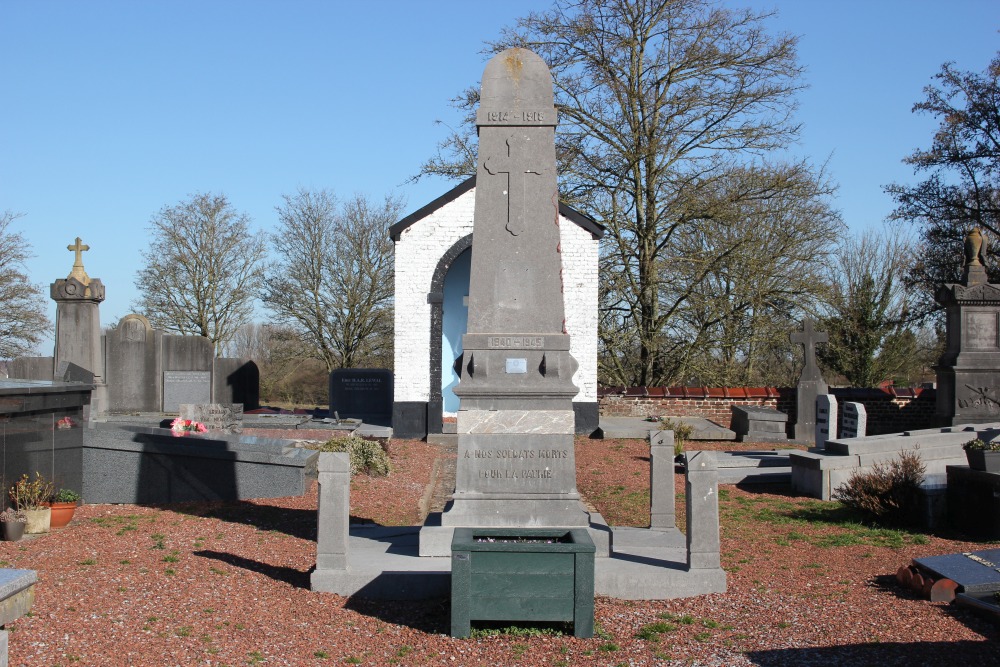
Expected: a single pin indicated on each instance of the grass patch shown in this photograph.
(541, 630)
(651, 631)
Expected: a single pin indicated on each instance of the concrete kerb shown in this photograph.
(818, 474)
(660, 563)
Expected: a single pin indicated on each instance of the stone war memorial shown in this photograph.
(516, 459)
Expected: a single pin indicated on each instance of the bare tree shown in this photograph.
(735, 289)
(662, 103)
(289, 371)
(23, 322)
(333, 280)
(203, 269)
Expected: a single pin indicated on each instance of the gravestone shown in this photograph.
(826, 419)
(217, 417)
(759, 424)
(974, 571)
(968, 372)
(855, 420)
(516, 458)
(185, 387)
(134, 383)
(811, 383)
(362, 393)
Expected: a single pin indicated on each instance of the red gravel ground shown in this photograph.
(228, 584)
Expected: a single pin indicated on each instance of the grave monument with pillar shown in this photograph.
(78, 325)
(968, 372)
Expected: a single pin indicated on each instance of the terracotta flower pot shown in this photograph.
(12, 531)
(62, 513)
(38, 520)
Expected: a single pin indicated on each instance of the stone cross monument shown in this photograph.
(516, 462)
(811, 383)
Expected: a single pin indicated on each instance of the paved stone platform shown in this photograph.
(645, 565)
(637, 427)
(755, 467)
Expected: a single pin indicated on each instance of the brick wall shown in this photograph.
(889, 410)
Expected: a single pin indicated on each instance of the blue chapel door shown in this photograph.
(454, 322)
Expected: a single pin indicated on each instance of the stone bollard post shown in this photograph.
(702, 489)
(334, 510)
(661, 481)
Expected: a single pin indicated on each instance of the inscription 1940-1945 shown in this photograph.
(516, 342)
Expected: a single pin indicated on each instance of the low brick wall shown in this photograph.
(889, 410)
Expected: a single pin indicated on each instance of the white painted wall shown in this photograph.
(418, 251)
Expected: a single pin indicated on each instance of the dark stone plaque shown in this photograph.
(362, 393)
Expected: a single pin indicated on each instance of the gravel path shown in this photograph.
(228, 584)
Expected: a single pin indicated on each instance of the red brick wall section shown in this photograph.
(889, 410)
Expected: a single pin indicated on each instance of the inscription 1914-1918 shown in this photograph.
(515, 116)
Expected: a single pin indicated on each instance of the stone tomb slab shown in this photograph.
(754, 423)
(217, 417)
(185, 387)
(974, 572)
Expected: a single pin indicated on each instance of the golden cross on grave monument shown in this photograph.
(78, 271)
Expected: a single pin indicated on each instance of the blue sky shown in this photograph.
(112, 110)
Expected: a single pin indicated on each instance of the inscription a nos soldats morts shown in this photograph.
(517, 455)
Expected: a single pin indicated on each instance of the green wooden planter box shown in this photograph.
(519, 576)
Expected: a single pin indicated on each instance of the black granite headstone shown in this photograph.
(975, 572)
(362, 393)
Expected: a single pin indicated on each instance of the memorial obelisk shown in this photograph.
(516, 463)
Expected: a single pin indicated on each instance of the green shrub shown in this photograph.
(367, 456)
(889, 493)
(682, 432)
(66, 496)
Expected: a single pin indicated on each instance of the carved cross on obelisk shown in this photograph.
(811, 383)
(516, 187)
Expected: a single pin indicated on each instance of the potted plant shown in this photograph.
(63, 505)
(983, 455)
(12, 524)
(30, 496)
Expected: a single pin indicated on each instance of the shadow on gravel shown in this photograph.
(288, 575)
(431, 616)
(884, 654)
(299, 523)
(967, 617)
